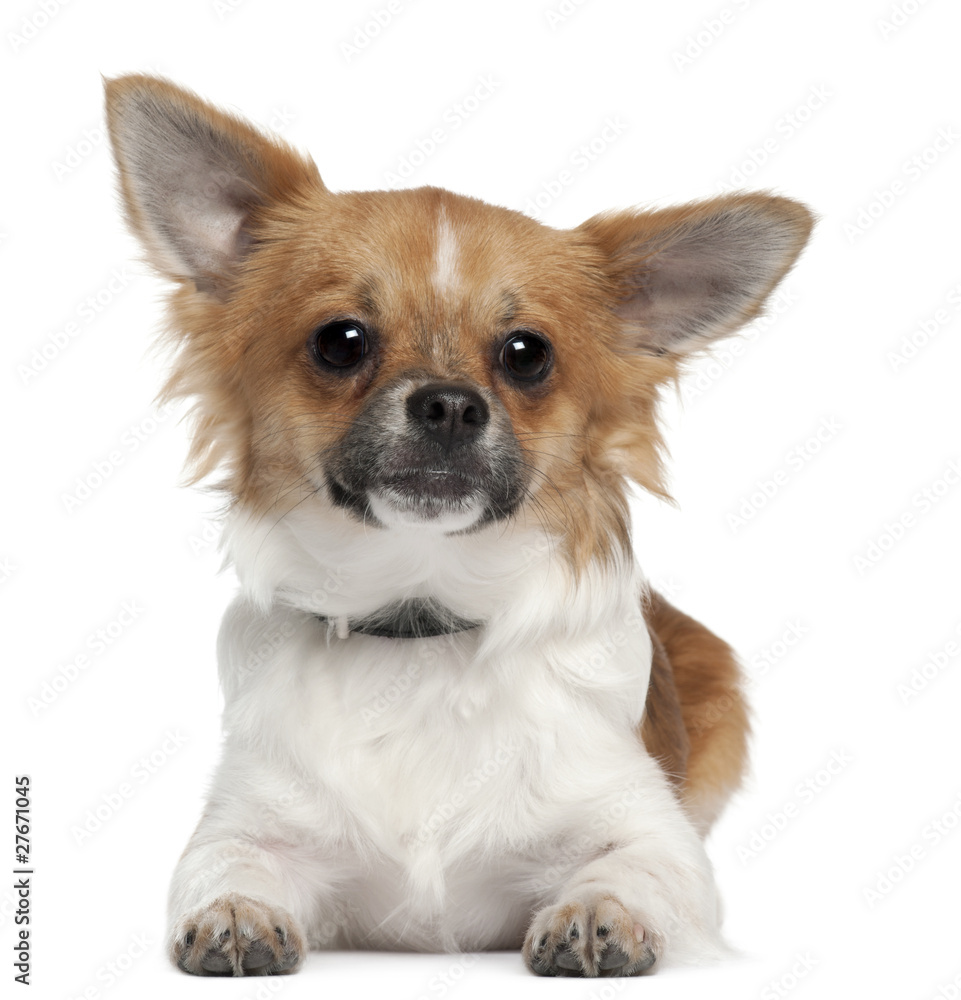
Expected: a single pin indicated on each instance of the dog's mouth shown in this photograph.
(451, 499)
(417, 487)
(429, 495)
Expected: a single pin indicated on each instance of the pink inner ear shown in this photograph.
(195, 206)
(672, 301)
(206, 216)
(706, 276)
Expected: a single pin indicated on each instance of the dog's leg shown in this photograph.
(232, 909)
(650, 897)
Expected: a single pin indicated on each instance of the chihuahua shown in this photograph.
(456, 716)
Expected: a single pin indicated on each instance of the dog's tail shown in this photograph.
(696, 719)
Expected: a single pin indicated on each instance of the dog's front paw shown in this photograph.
(596, 937)
(237, 936)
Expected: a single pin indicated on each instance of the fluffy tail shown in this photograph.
(696, 721)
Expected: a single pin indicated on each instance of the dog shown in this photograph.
(456, 716)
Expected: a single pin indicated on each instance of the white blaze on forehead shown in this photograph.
(445, 255)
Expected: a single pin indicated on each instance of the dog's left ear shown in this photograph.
(685, 276)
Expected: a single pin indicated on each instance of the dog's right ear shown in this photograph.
(194, 178)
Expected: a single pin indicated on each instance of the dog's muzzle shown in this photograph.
(429, 453)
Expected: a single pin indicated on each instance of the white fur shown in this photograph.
(446, 250)
(434, 793)
(391, 509)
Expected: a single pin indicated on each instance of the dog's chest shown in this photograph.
(427, 744)
(469, 795)
(452, 783)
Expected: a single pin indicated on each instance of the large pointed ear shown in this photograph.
(687, 275)
(194, 177)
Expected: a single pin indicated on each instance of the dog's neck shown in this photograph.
(508, 578)
(415, 618)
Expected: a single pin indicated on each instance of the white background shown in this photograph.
(824, 101)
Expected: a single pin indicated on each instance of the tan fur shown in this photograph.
(234, 936)
(712, 720)
(264, 413)
(607, 943)
(662, 729)
(275, 171)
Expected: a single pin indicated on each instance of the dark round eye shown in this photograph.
(341, 344)
(526, 356)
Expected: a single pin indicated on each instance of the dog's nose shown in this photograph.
(451, 414)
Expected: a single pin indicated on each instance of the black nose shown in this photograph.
(451, 414)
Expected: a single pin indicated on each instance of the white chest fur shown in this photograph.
(406, 764)
(418, 771)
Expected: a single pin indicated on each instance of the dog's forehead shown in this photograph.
(449, 261)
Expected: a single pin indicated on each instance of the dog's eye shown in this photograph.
(526, 356)
(341, 344)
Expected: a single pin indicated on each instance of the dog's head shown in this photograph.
(418, 359)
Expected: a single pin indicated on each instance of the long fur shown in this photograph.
(542, 780)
